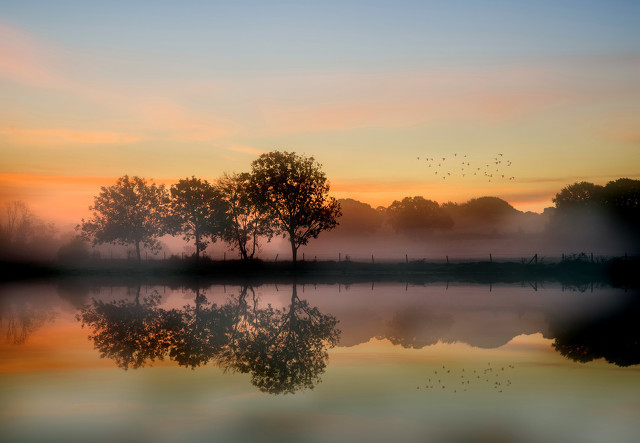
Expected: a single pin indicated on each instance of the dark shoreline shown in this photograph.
(618, 272)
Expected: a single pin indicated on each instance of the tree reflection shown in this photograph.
(196, 333)
(22, 321)
(129, 332)
(614, 336)
(416, 329)
(283, 350)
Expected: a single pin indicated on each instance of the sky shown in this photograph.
(166, 90)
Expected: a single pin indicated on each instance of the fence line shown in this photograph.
(342, 257)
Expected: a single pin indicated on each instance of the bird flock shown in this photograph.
(466, 379)
(493, 169)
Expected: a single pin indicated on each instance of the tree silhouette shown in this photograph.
(22, 320)
(245, 222)
(293, 190)
(622, 198)
(580, 195)
(196, 333)
(131, 333)
(417, 214)
(358, 218)
(284, 351)
(130, 212)
(22, 231)
(197, 211)
(614, 336)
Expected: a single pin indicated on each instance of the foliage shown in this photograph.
(283, 350)
(132, 211)
(131, 333)
(580, 195)
(417, 214)
(246, 223)
(195, 333)
(358, 218)
(584, 204)
(22, 231)
(293, 191)
(197, 212)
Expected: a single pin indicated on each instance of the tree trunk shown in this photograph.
(294, 249)
(197, 246)
(138, 251)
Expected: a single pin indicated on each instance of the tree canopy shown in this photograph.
(133, 211)
(245, 223)
(197, 211)
(417, 214)
(294, 191)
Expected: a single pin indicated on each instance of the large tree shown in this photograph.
(246, 223)
(417, 214)
(294, 191)
(133, 211)
(197, 211)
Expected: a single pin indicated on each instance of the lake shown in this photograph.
(95, 361)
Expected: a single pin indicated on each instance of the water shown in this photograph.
(83, 361)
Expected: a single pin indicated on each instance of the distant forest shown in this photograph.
(283, 203)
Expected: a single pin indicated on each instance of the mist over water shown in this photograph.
(516, 362)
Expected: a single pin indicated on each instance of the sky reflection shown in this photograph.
(54, 383)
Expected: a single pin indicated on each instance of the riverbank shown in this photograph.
(578, 270)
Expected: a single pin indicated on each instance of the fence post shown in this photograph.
(339, 257)
(490, 258)
(371, 258)
(406, 258)
(276, 258)
(447, 259)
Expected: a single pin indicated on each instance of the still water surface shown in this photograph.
(441, 362)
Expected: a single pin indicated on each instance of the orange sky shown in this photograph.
(88, 98)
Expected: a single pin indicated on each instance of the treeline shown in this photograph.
(284, 350)
(585, 217)
(283, 194)
(287, 195)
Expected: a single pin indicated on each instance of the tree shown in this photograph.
(131, 333)
(293, 191)
(580, 196)
(358, 218)
(622, 197)
(22, 232)
(195, 334)
(246, 223)
(196, 211)
(415, 214)
(132, 211)
(283, 350)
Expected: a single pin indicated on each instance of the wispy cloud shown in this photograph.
(47, 137)
(245, 150)
(23, 59)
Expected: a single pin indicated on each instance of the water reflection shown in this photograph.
(129, 332)
(284, 347)
(284, 350)
(613, 335)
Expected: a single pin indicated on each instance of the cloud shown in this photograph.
(44, 137)
(245, 150)
(25, 60)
